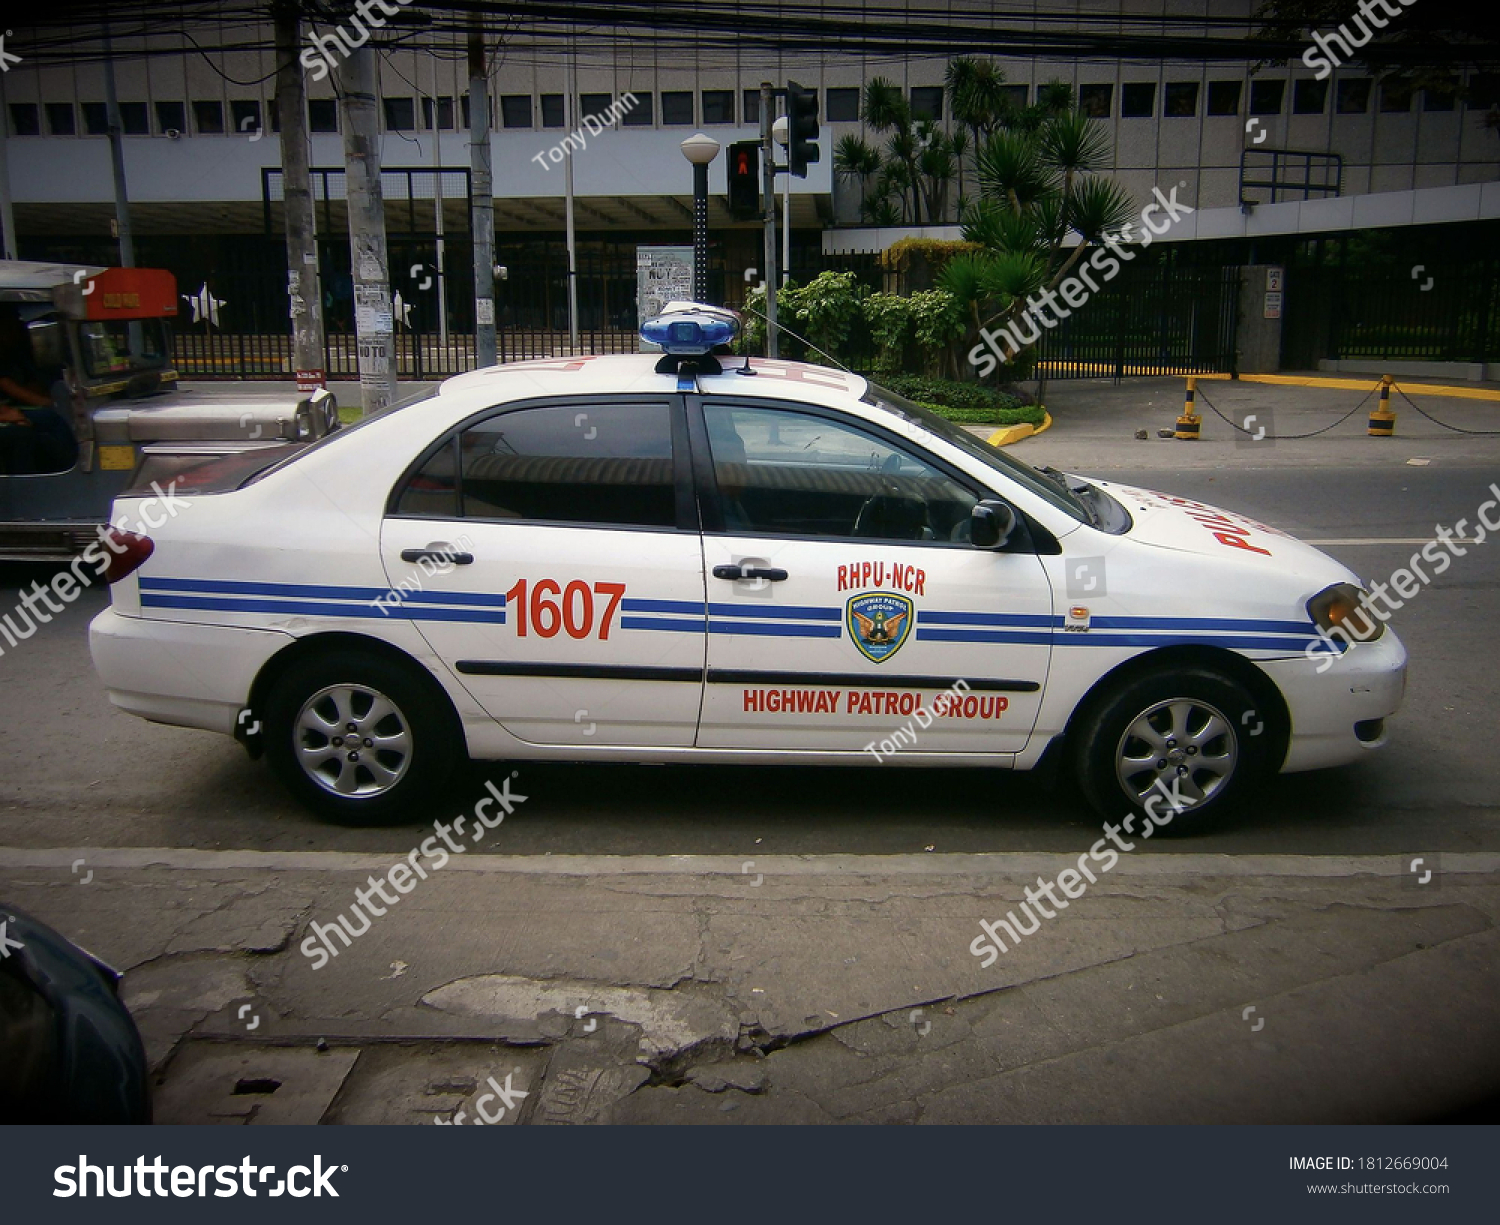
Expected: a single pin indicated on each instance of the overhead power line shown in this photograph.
(69, 32)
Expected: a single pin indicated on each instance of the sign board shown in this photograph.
(1273, 306)
(373, 314)
(662, 275)
(310, 380)
(1273, 279)
(119, 293)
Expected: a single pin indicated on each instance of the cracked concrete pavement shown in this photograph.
(1179, 988)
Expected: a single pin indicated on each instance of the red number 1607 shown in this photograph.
(551, 608)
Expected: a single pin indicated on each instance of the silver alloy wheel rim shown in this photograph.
(1183, 740)
(352, 741)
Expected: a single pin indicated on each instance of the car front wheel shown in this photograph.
(358, 738)
(1172, 745)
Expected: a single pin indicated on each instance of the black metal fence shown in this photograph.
(1154, 320)
(1446, 312)
(248, 332)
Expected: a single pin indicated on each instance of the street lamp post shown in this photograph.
(781, 133)
(700, 150)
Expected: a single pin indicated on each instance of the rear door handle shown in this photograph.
(734, 573)
(437, 551)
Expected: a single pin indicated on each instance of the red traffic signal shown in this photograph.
(744, 179)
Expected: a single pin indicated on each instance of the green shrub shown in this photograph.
(970, 403)
(828, 308)
(1019, 414)
(947, 392)
(889, 318)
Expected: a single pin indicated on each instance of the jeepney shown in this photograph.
(98, 342)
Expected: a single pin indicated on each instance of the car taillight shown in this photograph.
(127, 551)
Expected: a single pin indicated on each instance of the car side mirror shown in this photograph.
(991, 524)
(317, 416)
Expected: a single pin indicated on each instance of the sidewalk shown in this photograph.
(1179, 988)
(1096, 424)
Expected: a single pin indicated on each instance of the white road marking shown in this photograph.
(917, 864)
(1458, 540)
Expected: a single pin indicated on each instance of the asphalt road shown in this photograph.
(78, 773)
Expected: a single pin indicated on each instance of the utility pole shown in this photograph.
(571, 121)
(373, 322)
(437, 209)
(304, 291)
(768, 203)
(7, 216)
(482, 209)
(117, 158)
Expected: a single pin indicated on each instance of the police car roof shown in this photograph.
(636, 373)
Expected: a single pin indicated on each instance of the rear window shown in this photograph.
(603, 464)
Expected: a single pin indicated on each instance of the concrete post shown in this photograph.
(304, 290)
(1258, 340)
(482, 216)
(768, 204)
(374, 324)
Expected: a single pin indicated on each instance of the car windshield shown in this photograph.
(107, 347)
(1053, 489)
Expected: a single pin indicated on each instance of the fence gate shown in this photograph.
(1149, 321)
(1437, 312)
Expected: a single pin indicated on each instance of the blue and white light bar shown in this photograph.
(690, 329)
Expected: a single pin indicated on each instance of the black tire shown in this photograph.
(403, 758)
(1211, 747)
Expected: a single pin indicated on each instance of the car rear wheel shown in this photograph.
(1191, 739)
(358, 738)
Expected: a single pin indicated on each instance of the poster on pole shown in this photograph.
(662, 275)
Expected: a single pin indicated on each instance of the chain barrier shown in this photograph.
(1457, 429)
(1289, 437)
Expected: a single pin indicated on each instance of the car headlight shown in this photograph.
(1345, 607)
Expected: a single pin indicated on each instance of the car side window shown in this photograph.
(599, 464)
(785, 472)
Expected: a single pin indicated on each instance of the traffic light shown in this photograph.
(744, 179)
(802, 138)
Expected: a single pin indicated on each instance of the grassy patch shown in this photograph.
(996, 415)
(968, 403)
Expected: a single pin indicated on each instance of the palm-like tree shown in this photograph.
(887, 110)
(1038, 183)
(853, 158)
(937, 166)
(976, 97)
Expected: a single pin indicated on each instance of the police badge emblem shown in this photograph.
(879, 623)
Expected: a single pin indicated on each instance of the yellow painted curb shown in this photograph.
(1008, 434)
(1362, 384)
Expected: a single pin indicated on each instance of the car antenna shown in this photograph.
(794, 336)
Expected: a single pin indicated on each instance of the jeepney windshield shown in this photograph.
(106, 347)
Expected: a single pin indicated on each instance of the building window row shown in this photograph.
(1351, 96)
(1138, 100)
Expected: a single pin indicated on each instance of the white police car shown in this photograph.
(650, 558)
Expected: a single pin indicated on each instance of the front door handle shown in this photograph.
(734, 573)
(440, 552)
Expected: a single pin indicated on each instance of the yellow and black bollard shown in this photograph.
(1188, 423)
(1382, 419)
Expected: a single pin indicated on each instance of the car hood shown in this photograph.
(1187, 526)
